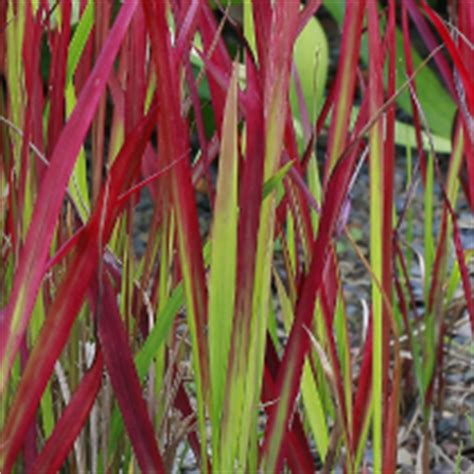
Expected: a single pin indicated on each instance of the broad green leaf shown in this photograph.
(311, 57)
(437, 105)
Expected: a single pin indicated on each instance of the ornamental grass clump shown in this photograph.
(220, 335)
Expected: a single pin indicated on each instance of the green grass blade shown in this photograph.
(222, 277)
(376, 231)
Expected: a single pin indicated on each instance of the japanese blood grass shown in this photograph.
(231, 338)
(29, 273)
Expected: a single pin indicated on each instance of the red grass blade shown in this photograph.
(183, 404)
(297, 449)
(362, 395)
(57, 76)
(466, 283)
(410, 68)
(309, 10)
(345, 83)
(72, 420)
(187, 27)
(30, 449)
(466, 40)
(462, 63)
(249, 202)
(215, 53)
(431, 42)
(124, 378)
(262, 12)
(466, 77)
